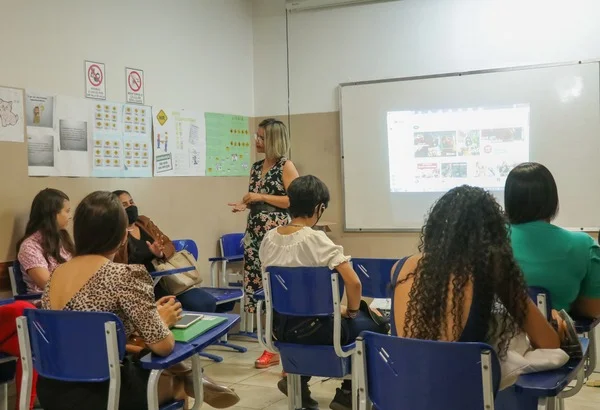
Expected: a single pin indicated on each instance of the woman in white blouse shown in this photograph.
(297, 244)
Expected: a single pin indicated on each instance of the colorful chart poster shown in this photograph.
(228, 145)
(122, 140)
(179, 143)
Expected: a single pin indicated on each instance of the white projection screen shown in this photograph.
(407, 141)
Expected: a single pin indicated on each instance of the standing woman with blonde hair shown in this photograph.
(268, 203)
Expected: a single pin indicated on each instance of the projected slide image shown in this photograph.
(468, 143)
(435, 144)
(476, 146)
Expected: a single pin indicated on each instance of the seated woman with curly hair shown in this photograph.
(465, 285)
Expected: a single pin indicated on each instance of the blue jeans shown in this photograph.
(194, 299)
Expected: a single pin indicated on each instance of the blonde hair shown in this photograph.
(277, 140)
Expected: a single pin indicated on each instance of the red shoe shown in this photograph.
(267, 359)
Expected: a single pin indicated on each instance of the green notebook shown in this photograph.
(199, 328)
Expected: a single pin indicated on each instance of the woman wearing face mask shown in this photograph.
(92, 282)
(268, 203)
(297, 245)
(145, 242)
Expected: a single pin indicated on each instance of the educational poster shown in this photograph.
(121, 141)
(179, 143)
(39, 109)
(12, 120)
(227, 145)
(39, 114)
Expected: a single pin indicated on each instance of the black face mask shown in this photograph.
(132, 214)
(320, 212)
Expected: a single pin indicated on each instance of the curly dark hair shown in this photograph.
(466, 240)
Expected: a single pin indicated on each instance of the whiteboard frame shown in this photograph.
(428, 77)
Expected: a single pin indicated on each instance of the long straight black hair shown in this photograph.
(46, 205)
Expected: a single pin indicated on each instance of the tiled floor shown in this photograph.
(257, 388)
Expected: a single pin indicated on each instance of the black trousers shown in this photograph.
(319, 331)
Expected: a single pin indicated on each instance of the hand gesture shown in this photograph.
(251, 198)
(170, 311)
(237, 207)
(156, 248)
(561, 326)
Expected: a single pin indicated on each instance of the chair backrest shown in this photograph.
(72, 346)
(374, 275)
(302, 291)
(18, 285)
(428, 375)
(186, 245)
(232, 245)
(541, 297)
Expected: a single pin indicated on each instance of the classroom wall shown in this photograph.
(196, 54)
(396, 39)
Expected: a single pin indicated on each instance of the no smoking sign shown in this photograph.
(134, 79)
(95, 84)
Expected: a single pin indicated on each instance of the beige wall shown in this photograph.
(183, 207)
(316, 150)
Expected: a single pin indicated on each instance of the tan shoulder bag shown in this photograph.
(178, 283)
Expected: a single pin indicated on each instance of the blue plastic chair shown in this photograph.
(17, 284)
(84, 347)
(425, 375)
(304, 291)
(222, 296)
(584, 326)
(232, 251)
(374, 275)
(7, 369)
(546, 389)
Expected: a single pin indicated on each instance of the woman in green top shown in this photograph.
(566, 263)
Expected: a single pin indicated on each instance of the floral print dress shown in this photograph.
(271, 183)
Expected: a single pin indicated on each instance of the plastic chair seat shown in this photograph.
(314, 360)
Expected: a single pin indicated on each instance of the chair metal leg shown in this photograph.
(294, 392)
(238, 348)
(355, 379)
(215, 358)
(243, 314)
(152, 392)
(547, 403)
(197, 374)
(575, 389)
(4, 397)
(26, 363)
(592, 354)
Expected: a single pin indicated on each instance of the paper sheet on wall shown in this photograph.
(227, 145)
(179, 143)
(73, 129)
(122, 140)
(41, 151)
(12, 120)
